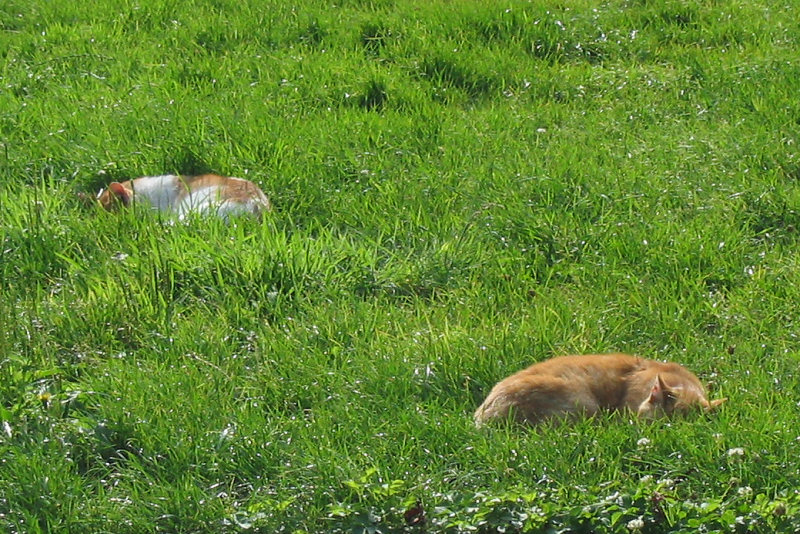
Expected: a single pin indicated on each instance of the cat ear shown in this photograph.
(714, 403)
(657, 391)
(119, 191)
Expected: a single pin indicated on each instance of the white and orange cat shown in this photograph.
(180, 195)
(570, 386)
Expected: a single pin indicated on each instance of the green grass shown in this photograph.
(461, 189)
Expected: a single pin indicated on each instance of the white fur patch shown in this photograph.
(201, 200)
(161, 192)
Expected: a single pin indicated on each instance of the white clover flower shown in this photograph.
(745, 491)
(666, 482)
(736, 451)
(646, 479)
(643, 443)
(635, 524)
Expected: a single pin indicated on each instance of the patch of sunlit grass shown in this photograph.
(460, 190)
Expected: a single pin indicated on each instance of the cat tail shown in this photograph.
(494, 407)
(479, 416)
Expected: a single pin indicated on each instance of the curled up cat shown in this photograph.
(576, 386)
(181, 195)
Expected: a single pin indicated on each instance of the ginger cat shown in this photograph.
(584, 385)
(181, 195)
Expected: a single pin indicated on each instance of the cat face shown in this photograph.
(667, 400)
(115, 195)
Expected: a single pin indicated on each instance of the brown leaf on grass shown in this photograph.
(415, 516)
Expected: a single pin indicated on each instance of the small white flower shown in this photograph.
(745, 491)
(643, 443)
(666, 482)
(736, 451)
(635, 524)
(645, 479)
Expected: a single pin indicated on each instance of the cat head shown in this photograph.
(666, 400)
(115, 195)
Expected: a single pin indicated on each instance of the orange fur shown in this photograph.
(569, 386)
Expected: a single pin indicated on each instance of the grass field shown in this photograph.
(461, 189)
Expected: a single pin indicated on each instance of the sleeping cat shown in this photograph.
(584, 385)
(181, 195)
